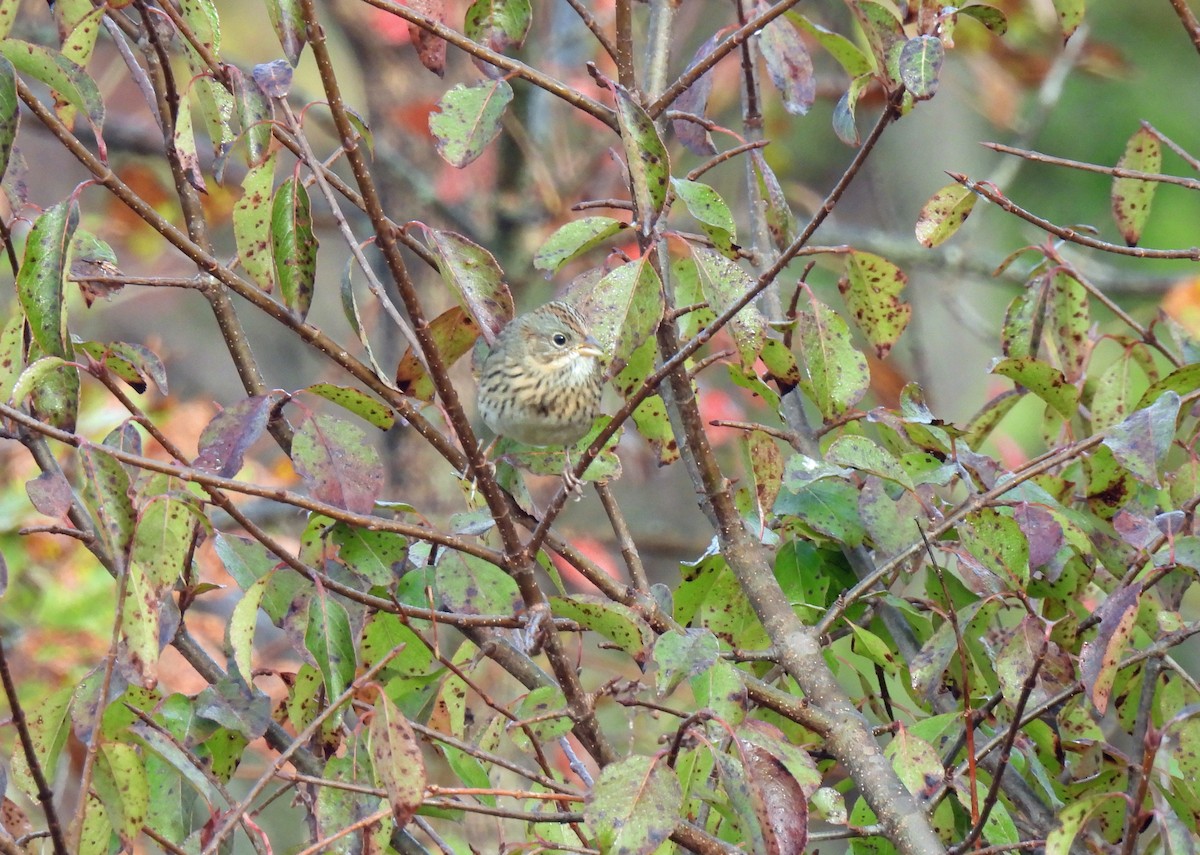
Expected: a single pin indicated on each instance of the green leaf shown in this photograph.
(724, 283)
(377, 556)
(998, 544)
(396, 759)
(1141, 440)
(294, 246)
(337, 463)
(634, 805)
(781, 222)
(134, 363)
(710, 210)
(574, 239)
(10, 111)
(991, 17)
(469, 119)
(49, 725)
(921, 61)
(681, 655)
(1043, 380)
(646, 158)
(886, 37)
(163, 539)
(838, 376)
(123, 787)
(843, 112)
(766, 470)
(239, 634)
(1131, 197)
(871, 288)
(858, 452)
(357, 402)
(106, 491)
(498, 24)
(828, 506)
(40, 279)
(327, 637)
(623, 309)
(252, 222)
(943, 214)
(1070, 15)
(69, 82)
(1073, 817)
(1068, 322)
(464, 583)
(8, 13)
(617, 622)
(852, 60)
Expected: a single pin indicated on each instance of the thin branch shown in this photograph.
(44, 793)
(1188, 19)
(994, 196)
(1114, 171)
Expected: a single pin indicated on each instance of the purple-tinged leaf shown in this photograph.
(1099, 659)
(778, 799)
(287, 19)
(469, 119)
(431, 49)
(1042, 531)
(788, 64)
(1142, 440)
(476, 279)
(50, 494)
(254, 112)
(1017, 657)
(294, 246)
(224, 441)
(1131, 197)
(397, 761)
(233, 705)
(337, 463)
(694, 101)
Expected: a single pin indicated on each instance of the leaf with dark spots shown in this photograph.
(694, 101)
(645, 158)
(920, 65)
(634, 805)
(337, 463)
(1131, 197)
(871, 287)
(1100, 658)
(475, 277)
(1135, 529)
(1018, 656)
(1043, 380)
(1068, 322)
(431, 49)
(40, 279)
(294, 246)
(779, 801)
(454, 332)
(617, 622)
(464, 583)
(624, 308)
(781, 222)
(396, 759)
(574, 239)
(356, 401)
(469, 118)
(788, 64)
(328, 638)
(225, 440)
(943, 214)
(499, 25)
(232, 704)
(681, 655)
(1142, 440)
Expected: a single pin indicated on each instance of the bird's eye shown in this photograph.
(559, 339)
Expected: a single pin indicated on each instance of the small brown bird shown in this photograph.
(542, 380)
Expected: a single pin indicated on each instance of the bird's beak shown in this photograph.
(590, 347)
